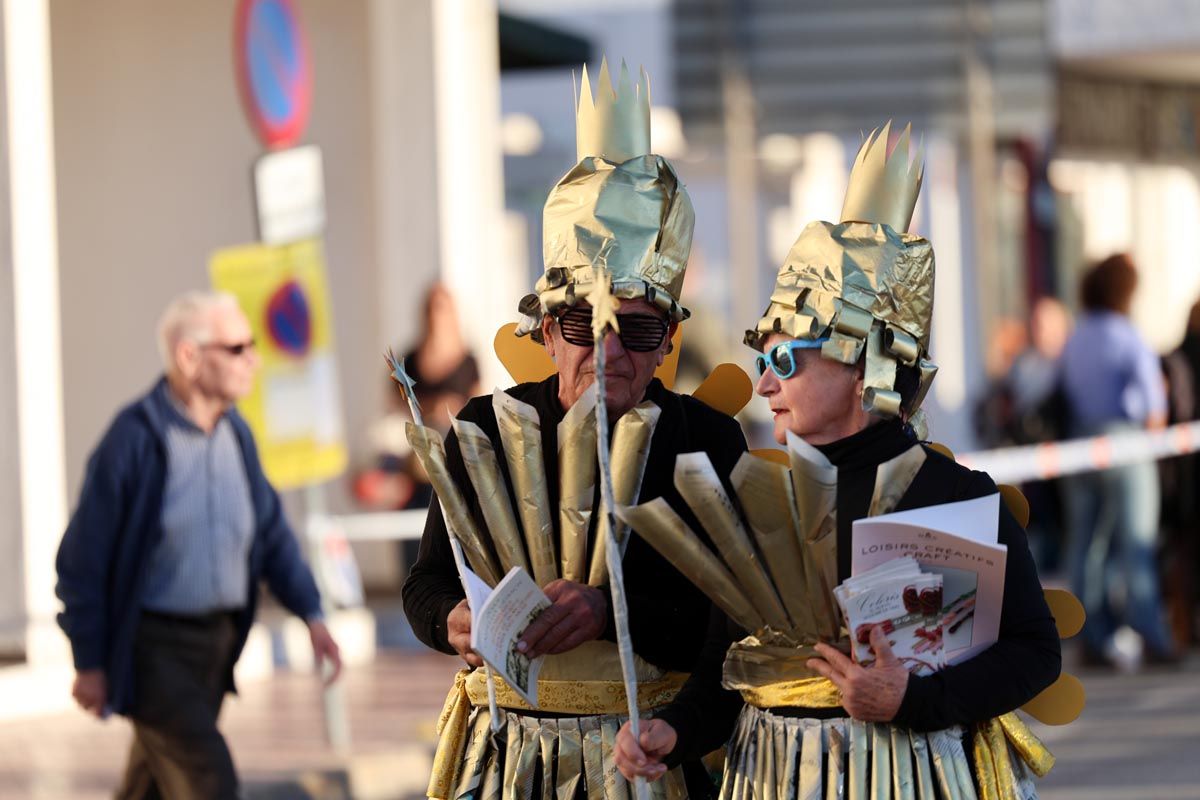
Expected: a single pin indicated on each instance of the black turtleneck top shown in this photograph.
(1025, 660)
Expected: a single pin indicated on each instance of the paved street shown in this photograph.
(1137, 740)
(275, 730)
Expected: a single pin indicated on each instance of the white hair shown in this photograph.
(189, 317)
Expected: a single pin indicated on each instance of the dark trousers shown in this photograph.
(177, 753)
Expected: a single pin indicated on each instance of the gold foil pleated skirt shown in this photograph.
(787, 758)
(549, 758)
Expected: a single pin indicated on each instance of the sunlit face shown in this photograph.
(627, 373)
(820, 403)
(210, 367)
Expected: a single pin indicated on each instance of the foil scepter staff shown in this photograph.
(604, 318)
(405, 384)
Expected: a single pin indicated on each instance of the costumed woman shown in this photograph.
(844, 367)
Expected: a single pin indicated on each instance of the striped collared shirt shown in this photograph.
(202, 562)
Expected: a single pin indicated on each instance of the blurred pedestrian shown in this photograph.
(446, 375)
(1112, 383)
(159, 567)
(1181, 487)
(1038, 415)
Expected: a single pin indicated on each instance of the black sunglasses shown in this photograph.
(232, 349)
(640, 333)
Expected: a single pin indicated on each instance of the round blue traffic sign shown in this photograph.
(289, 322)
(273, 69)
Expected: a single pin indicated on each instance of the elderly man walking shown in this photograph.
(159, 568)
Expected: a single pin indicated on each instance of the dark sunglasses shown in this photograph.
(640, 333)
(782, 357)
(232, 349)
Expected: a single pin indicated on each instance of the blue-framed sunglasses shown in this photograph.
(780, 358)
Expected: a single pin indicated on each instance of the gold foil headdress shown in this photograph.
(864, 283)
(621, 208)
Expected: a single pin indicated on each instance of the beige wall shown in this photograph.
(12, 585)
(153, 160)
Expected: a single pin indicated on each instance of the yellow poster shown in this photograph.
(295, 408)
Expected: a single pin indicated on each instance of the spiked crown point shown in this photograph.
(615, 124)
(883, 187)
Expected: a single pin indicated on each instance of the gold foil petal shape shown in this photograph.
(1059, 703)
(525, 360)
(938, 447)
(1067, 610)
(727, 389)
(1016, 502)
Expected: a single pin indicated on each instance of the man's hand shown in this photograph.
(578, 615)
(458, 631)
(325, 649)
(644, 757)
(870, 694)
(91, 691)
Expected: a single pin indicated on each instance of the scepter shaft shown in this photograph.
(612, 555)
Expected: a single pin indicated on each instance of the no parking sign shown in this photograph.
(273, 69)
(295, 407)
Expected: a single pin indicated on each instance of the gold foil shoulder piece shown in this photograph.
(479, 457)
(814, 481)
(521, 437)
(893, 479)
(577, 484)
(767, 498)
(631, 440)
(666, 532)
(698, 484)
(431, 452)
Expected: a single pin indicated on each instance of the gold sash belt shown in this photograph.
(579, 698)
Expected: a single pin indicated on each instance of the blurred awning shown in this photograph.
(525, 44)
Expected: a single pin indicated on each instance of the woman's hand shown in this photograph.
(872, 693)
(644, 758)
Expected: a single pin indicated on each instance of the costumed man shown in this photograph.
(519, 484)
(845, 367)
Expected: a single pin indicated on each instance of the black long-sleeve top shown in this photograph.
(1025, 659)
(667, 614)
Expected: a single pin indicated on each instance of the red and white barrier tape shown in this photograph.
(1072, 456)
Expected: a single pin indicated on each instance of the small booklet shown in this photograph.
(498, 618)
(957, 541)
(906, 603)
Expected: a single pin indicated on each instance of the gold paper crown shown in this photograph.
(864, 283)
(621, 208)
(883, 188)
(615, 125)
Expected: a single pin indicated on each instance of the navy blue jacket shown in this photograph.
(103, 555)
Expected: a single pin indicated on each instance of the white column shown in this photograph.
(405, 182)
(30, 131)
(470, 182)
